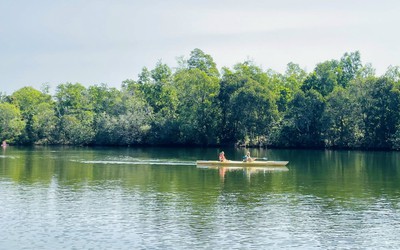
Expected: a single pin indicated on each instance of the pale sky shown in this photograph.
(109, 41)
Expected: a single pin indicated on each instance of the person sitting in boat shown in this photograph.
(222, 157)
(247, 157)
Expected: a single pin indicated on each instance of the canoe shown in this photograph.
(246, 169)
(243, 164)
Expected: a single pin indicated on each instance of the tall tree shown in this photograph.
(204, 62)
(246, 94)
(349, 67)
(127, 128)
(302, 126)
(254, 112)
(229, 84)
(198, 111)
(11, 122)
(76, 115)
(37, 110)
(155, 88)
(323, 79)
(294, 76)
(379, 106)
(341, 116)
(289, 84)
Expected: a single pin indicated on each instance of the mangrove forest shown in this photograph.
(342, 103)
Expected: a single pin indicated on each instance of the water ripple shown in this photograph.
(138, 162)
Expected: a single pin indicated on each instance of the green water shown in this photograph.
(156, 198)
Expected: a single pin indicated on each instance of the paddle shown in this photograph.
(264, 158)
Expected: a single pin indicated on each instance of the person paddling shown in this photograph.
(222, 157)
(247, 157)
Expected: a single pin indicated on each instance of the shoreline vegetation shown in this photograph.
(341, 104)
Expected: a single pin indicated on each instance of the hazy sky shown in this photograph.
(108, 41)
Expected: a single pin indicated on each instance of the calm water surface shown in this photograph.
(156, 198)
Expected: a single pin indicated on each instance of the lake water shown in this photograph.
(156, 198)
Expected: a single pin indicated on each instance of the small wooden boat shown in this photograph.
(243, 164)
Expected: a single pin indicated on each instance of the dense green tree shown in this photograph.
(290, 83)
(349, 67)
(76, 129)
(248, 70)
(164, 122)
(340, 120)
(237, 88)
(104, 99)
(11, 122)
(75, 114)
(340, 104)
(229, 84)
(37, 110)
(164, 98)
(156, 87)
(108, 105)
(202, 61)
(379, 102)
(128, 128)
(44, 123)
(72, 99)
(393, 74)
(254, 112)
(131, 87)
(243, 75)
(144, 76)
(294, 76)
(302, 125)
(324, 78)
(329, 74)
(198, 112)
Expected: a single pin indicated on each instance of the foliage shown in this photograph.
(37, 110)
(302, 125)
(340, 119)
(75, 114)
(204, 62)
(380, 110)
(11, 122)
(339, 104)
(127, 128)
(323, 79)
(198, 111)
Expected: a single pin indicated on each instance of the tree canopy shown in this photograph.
(341, 103)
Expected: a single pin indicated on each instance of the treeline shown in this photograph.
(340, 104)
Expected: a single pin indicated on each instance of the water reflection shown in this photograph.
(343, 174)
(247, 171)
(54, 198)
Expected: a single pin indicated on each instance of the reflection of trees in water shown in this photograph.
(323, 173)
